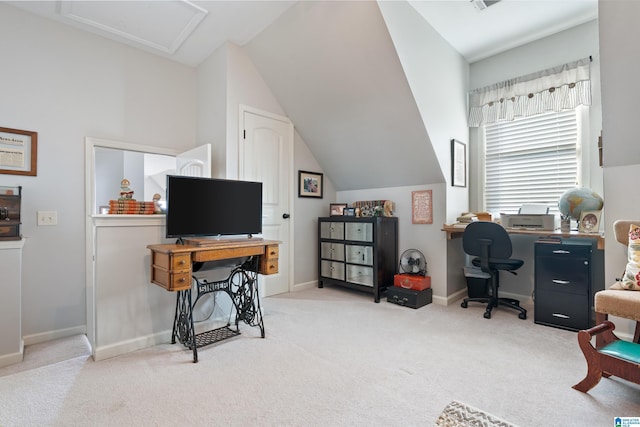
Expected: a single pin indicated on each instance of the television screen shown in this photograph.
(212, 207)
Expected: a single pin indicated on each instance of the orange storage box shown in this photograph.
(414, 282)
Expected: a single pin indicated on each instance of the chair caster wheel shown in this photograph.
(523, 316)
(487, 315)
(463, 304)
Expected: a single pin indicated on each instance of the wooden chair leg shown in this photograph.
(594, 372)
(636, 335)
(600, 319)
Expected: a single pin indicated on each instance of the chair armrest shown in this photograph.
(605, 329)
(601, 328)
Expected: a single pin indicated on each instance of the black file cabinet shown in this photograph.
(563, 285)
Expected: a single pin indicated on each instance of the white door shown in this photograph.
(266, 155)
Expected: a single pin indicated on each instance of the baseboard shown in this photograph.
(123, 347)
(304, 286)
(54, 335)
(450, 299)
(13, 358)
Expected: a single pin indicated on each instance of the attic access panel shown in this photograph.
(161, 25)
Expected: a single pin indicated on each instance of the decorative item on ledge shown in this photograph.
(126, 193)
(369, 208)
(131, 207)
(10, 200)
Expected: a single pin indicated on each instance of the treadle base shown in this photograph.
(215, 335)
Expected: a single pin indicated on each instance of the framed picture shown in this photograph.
(349, 211)
(421, 207)
(18, 152)
(458, 163)
(310, 184)
(337, 208)
(589, 221)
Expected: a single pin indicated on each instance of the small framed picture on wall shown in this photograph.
(310, 184)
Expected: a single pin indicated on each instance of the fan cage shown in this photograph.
(412, 259)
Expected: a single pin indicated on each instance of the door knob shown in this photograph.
(285, 216)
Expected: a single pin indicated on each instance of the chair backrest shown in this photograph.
(500, 246)
(621, 230)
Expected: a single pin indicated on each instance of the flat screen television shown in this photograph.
(212, 207)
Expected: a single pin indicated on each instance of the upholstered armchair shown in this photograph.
(616, 300)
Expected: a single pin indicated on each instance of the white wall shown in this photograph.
(619, 33)
(439, 87)
(66, 84)
(243, 85)
(307, 210)
(212, 109)
(567, 46)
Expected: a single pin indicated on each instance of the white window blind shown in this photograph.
(530, 160)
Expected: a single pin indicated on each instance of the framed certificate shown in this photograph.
(421, 207)
(18, 152)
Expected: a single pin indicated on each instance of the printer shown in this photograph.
(530, 217)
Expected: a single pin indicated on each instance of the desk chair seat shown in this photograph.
(501, 264)
(490, 244)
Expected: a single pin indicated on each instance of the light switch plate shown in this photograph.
(47, 218)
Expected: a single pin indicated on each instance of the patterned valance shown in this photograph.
(556, 89)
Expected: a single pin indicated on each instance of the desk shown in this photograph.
(172, 267)
(455, 231)
(566, 273)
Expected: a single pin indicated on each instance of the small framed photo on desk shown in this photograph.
(589, 221)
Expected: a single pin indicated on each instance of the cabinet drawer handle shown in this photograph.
(561, 251)
(181, 280)
(562, 316)
(561, 282)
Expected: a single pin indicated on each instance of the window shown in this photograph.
(531, 160)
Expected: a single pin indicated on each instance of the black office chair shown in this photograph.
(491, 245)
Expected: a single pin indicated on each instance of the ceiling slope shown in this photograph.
(334, 70)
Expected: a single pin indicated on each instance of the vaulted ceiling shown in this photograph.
(331, 64)
(335, 71)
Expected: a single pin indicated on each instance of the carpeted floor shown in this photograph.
(331, 357)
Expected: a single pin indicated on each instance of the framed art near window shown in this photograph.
(18, 152)
(458, 163)
(310, 184)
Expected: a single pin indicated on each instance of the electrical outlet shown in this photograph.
(47, 218)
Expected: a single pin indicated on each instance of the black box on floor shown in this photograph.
(409, 297)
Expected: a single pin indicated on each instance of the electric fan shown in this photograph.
(412, 262)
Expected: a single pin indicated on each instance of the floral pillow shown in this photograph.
(631, 278)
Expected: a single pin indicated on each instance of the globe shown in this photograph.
(574, 201)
